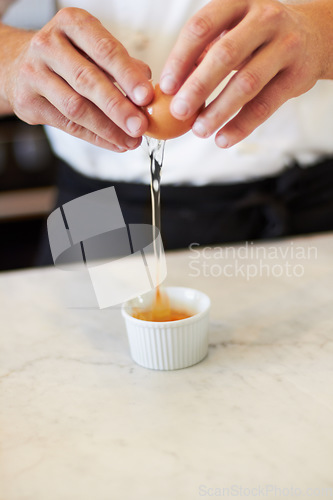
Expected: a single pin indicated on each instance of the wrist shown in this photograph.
(14, 41)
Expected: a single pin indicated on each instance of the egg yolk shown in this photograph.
(161, 123)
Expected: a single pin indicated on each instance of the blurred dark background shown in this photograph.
(27, 192)
(27, 165)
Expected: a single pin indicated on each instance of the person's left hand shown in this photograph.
(278, 51)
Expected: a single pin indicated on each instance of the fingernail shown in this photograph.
(199, 129)
(222, 141)
(140, 93)
(167, 84)
(180, 107)
(134, 124)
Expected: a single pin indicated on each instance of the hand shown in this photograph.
(278, 51)
(69, 75)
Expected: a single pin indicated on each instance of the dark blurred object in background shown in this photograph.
(27, 178)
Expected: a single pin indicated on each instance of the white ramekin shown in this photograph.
(169, 345)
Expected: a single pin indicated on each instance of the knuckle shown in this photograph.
(292, 42)
(71, 127)
(40, 42)
(271, 12)
(260, 109)
(74, 107)
(128, 72)
(100, 142)
(199, 27)
(248, 82)
(178, 61)
(84, 77)
(111, 105)
(224, 52)
(198, 87)
(71, 14)
(65, 15)
(107, 49)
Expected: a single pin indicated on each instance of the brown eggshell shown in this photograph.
(161, 123)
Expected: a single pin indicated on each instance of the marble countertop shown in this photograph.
(80, 420)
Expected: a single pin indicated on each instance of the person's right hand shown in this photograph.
(271, 51)
(68, 75)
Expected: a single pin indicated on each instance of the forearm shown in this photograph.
(12, 42)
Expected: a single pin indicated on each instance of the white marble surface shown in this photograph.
(79, 420)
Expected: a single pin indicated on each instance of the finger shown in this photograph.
(80, 112)
(241, 89)
(88, 33)
(48, 114)
(198, 32)
(144, 68)
(91, 82)
(256, 111)
(225, 55)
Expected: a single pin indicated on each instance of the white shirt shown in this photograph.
(302, 129)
